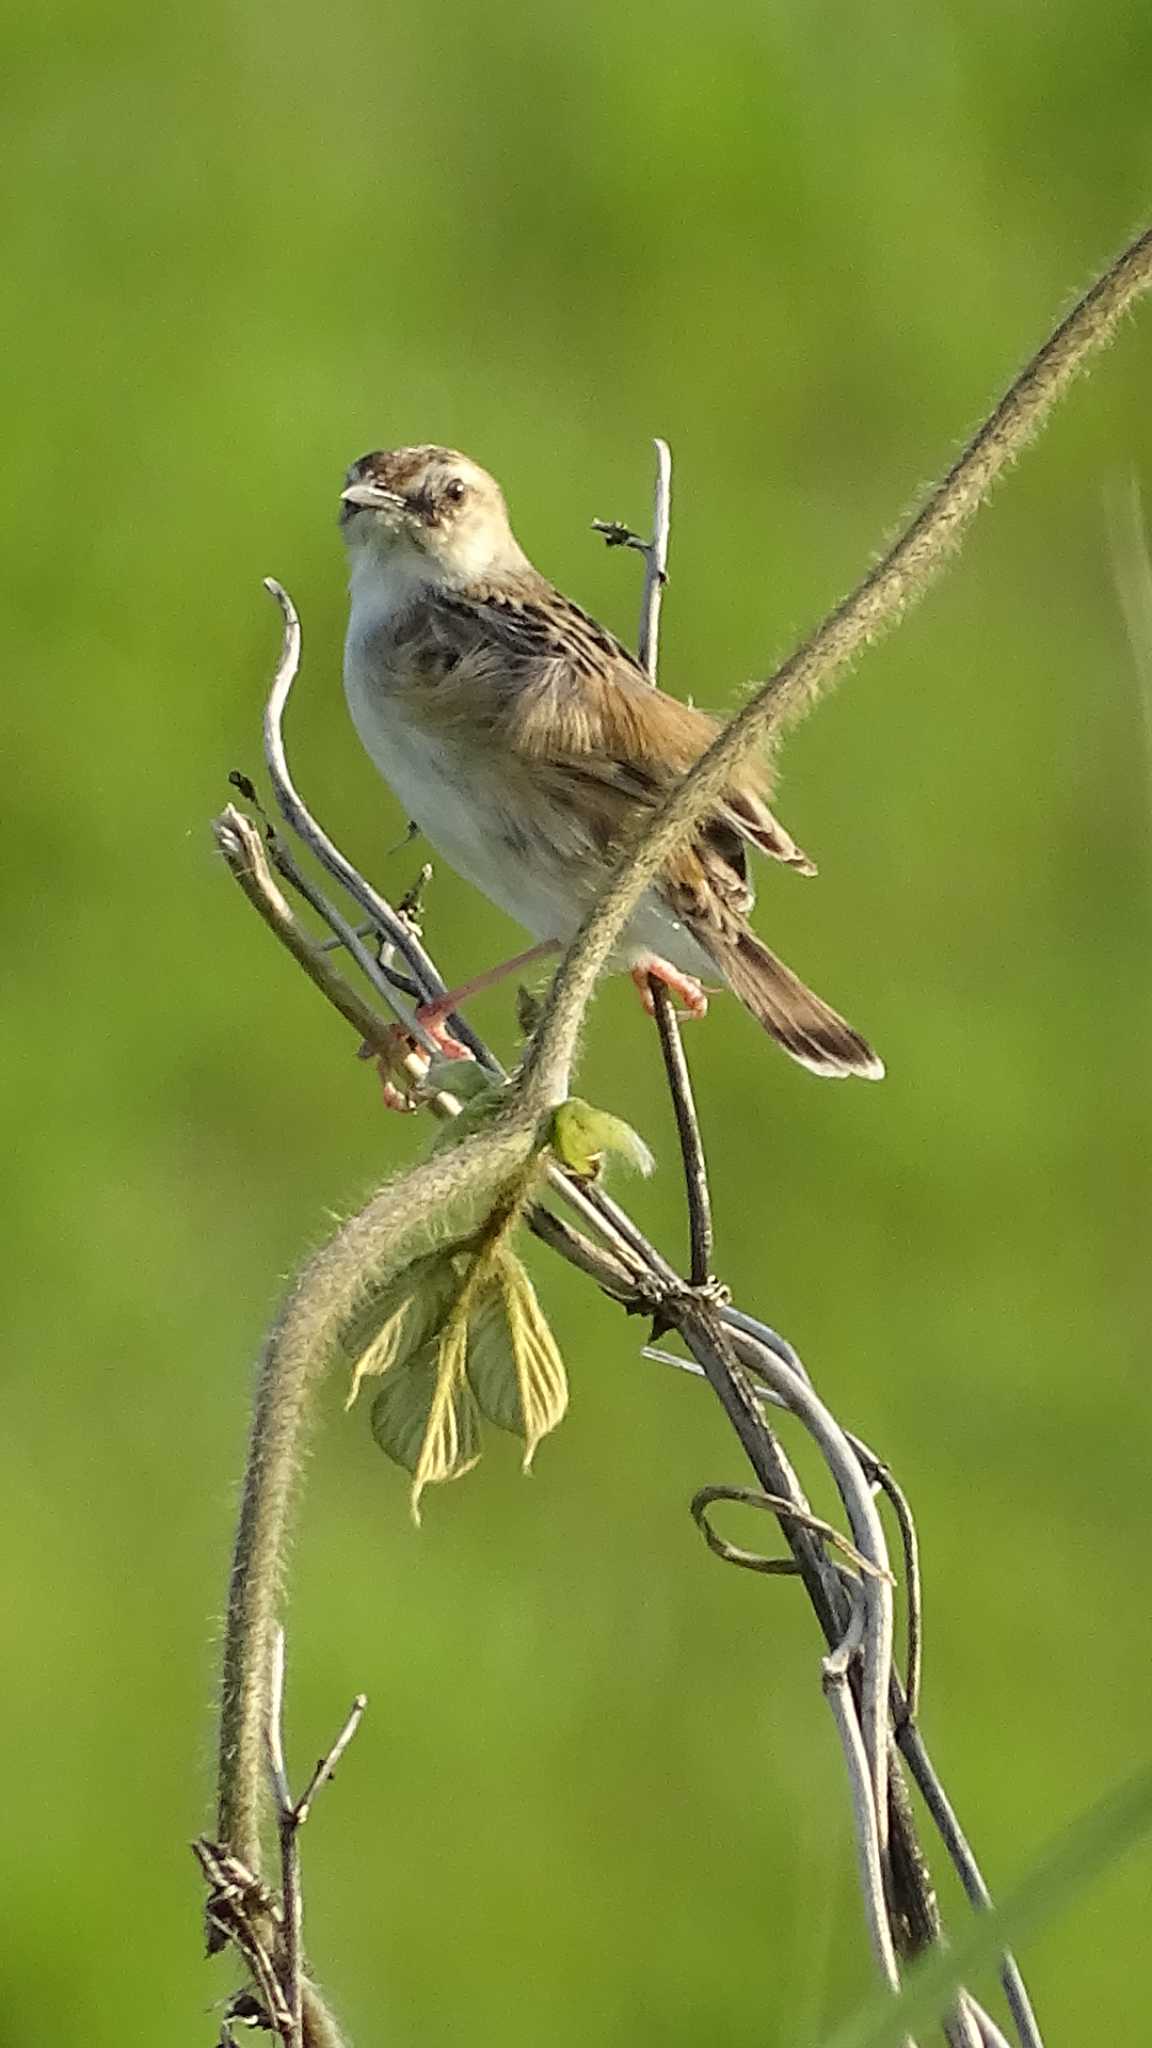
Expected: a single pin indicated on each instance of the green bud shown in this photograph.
(582, 1137)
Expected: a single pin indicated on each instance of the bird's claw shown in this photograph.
(686, 986)
(403, 1067)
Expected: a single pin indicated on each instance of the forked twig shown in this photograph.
(267, 1932)
(291, 1814)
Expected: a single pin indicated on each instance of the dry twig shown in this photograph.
(268, 1931)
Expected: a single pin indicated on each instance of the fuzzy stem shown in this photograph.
(334, 1282)
(484, 1166)
(870, 609)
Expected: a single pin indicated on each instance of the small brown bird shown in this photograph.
(530, 749)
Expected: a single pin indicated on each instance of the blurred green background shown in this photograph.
(597, 1797)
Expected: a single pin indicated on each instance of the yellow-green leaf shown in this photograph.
(582, 1137)
(425, 1415)
(451, 1444)
(402, 1317)
(513, 1363)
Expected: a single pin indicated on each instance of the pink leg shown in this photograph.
(685, 986)
(432, 1015)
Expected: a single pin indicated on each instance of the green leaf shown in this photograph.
(454, 1339)
(425, 1415)
(491, 1363)
(451, 1444)
(513, 1363)
(480, 1101)
(402, 1317)
(1077, 1857)
(465, 1079)
(582, 1137)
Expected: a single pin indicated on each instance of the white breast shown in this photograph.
(461, 805)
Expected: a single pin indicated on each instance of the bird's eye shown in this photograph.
(455, 489)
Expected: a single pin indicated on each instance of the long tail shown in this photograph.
(797, 1018)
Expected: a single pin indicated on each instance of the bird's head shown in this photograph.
(432, 509)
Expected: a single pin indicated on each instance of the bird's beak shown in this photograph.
(373, 497)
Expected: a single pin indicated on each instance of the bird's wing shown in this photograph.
(563, 695)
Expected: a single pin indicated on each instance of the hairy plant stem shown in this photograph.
(878, 600)
(487, 1166)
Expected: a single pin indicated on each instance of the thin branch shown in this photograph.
(291, 1945)
(387, 921)
(908, 1737)
(901, 576)
(276, 1762)
(247, 860)
(904, 1704)
(779, 1505)
(374, 967)
(303, 2019)
(879, 1473)
(696, 1371)
(988, 2034)
(914, 1750)
(609, 1272)
(750, 1326)
(610, 1215)
(869, 1844)
(962, 2024)
(688, 1131)
(656, 563)
(709, 1342)
(615, 534)
(655, 553)
(326, 1765)
(913, 1895)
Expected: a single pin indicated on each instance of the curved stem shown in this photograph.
(387, 921)
(325, 1295)
(867, 1534)
(900, 576)
(869, 1852)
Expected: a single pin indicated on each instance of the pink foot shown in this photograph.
(394, 1097)
(433, 1017)
(685, 986)
(407, 1058)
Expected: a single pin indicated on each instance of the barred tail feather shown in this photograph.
(799, 1020)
